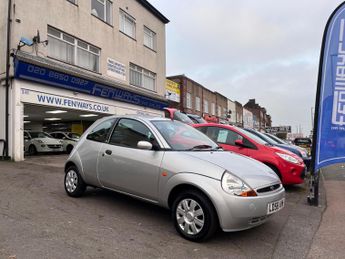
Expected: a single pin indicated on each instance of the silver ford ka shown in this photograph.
(173, 165)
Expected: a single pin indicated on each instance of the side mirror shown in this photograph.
(239, 142)
(144, 145)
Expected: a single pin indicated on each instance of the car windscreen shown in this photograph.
(264, 137)
(183, 137)
(280, 141)
(252, 136)
(182, 117)
(73, 135)
(39, 135)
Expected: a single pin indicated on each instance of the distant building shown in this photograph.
(80, 60)
(231, 112)
(239, 114)
(197, 99)
(260, 118)
(248, 120)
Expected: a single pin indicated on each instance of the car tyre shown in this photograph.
(32, 150)
(194, 216)
(73, 182)
(69, 149)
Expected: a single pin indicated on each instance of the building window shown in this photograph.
(142, 77)
(73, 1)
(225, 112)
(205, 106)
(197, 103)
(127, 24)
(219, 111)
(103, 9)
(189, 101)
(149, 38)
(213, 109)
(68, 49)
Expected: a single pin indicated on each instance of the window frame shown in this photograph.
(125, 15)
(206, 105)
(105, 4)
(154, 38)
(197, 103)
(189, 103)
(156, 146)
(143, 72)
(111, 128)
(76, 46)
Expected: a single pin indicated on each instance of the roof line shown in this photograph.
(153, 10)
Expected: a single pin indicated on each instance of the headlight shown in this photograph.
(39, 141)
(60, 141)
(288, 158)
(235, 186)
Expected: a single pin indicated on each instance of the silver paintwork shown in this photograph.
(138, 173)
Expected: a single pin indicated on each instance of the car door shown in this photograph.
(124, 167)
(226, 139)
(90, 148)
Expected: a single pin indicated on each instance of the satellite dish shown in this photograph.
(26, 41)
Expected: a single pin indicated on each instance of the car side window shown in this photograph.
(223, 136)
(129, 132)
(101, 132)
(231, 137)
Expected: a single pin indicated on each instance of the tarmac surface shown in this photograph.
(38, 220)
(329, 241)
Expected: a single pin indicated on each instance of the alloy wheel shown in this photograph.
(190, 216)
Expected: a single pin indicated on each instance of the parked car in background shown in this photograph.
(304, 143)
(196, 118)
(69, 139)
(281, 141)
(294, 149)
(175, 114)
(149, 159)
(288, 166)
(40, 142)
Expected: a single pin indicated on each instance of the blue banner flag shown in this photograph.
(329, 125)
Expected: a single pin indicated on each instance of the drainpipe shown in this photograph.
(7, 83)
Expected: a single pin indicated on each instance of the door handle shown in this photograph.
(108, 152)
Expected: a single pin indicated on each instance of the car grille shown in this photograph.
(54, 146)
(258, 220)
(270, 188)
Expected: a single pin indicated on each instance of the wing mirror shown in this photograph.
(239, 142)
(144, 145)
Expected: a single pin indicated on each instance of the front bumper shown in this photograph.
(46, 148)
(240, 213)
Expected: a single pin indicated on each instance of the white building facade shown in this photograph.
(73, 61)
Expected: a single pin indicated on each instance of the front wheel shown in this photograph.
(194, 216)
(74, 184)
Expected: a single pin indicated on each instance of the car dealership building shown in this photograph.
(70, 62)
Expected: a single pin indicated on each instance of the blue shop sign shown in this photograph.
(51, 77)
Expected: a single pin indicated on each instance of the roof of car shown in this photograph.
(136, 116)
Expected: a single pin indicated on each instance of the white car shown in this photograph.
(69, 139)
(41, 142)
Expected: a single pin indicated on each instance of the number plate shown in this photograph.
(275, 206)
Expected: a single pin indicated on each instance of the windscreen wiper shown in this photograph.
(199, 147)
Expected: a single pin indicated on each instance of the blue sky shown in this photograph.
(268, 50)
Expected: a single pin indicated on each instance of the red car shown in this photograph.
(175, 114)
(288, 166)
